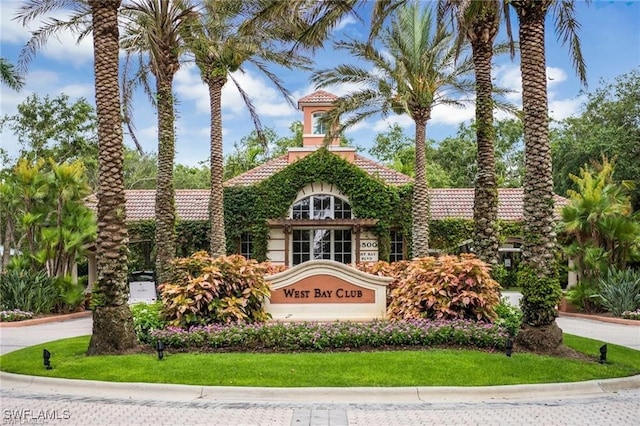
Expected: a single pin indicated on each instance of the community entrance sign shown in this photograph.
(324, 290)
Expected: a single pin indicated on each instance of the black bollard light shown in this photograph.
(46, 358)
(509, 347)
(160, 349)
(603, 354)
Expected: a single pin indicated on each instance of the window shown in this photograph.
(321, 207)
(246, 245)
(318, 127)
(332, 244)
(397, 246)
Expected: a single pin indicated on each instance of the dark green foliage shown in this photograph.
(509, 317)
(584, 296)
(619, 291)
(20, 289)
(540, 296)
(147, 317)
(248, 208)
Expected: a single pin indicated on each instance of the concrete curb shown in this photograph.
(619, 321)
(46, 320)
(358, 395)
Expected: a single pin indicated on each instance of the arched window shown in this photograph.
(317, 126)
(321, 206)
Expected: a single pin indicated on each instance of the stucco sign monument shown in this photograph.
(325, 290)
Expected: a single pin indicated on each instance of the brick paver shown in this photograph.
(622, 408)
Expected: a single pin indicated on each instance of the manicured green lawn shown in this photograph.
(437, 367)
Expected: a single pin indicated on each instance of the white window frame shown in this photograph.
(316, 123)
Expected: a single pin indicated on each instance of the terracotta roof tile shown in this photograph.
(446, 203)
(458, 203)
(387, 175)
(259, 173)
(191, 204)
(268, 169)
(318, 97)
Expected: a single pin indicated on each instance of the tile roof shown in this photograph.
(453, 203)
(458, 203)
(260, 173)
(268, 169)
(318, 97)
(191, 204)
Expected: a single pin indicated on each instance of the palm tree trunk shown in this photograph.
(165, 194)
(539, 235)
(218, 244)
(112, 322)
(485, 206)
(421, 213)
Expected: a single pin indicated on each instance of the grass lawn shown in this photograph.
(437, 367)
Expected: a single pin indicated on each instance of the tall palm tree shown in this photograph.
(112, 323)
(10, 76)
(539, 244)
(112, 320)
(223, 42)
(478, 22)
(538, 251)
(414, 70)
(154, 29)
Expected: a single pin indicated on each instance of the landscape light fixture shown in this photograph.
(160, 349)
(46, 358)
(509, 347)
(603, 354)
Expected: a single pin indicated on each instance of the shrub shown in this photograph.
(540, 296)
(147, 317)
(21, 289)
(509, 317)
(619, 291)
(584, 296)
(631, 315)
(70, 294)
(334, 336)
(15, 315)
(204, 290)
(447, 287)
(385, 269)
(505, 276)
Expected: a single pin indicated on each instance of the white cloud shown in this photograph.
(62, 47)
(555, 76)
(563, 108)
(344, 22)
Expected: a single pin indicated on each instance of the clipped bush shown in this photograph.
(619, 291)
(337, 335)
(540, 296)
(203, 290)
(147, 317)
(448, 287)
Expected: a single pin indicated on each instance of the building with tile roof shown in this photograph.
(320, 223)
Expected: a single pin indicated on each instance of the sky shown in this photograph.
(610, 37)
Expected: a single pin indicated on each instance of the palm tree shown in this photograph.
(415, 71)
(112, 322)
(154, 30)
(221, 46)
(538, 249)
(478, 22)
(10, 76)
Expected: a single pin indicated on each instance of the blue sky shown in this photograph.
(610, 41)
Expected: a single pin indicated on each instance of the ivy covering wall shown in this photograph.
(248, 208)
